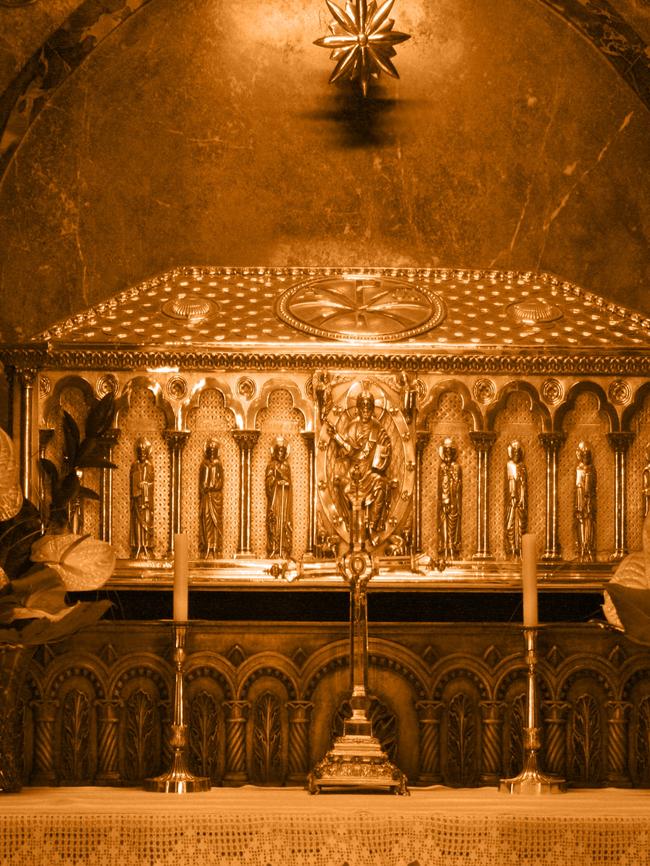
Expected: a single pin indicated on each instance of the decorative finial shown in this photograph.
(361, 41)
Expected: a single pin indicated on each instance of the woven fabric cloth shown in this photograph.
(253, 827)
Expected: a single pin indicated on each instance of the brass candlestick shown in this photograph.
(357, 760)
(532, 780)
(178, 779)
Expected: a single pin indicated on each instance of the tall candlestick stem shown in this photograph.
(532, 780)
(179, 779)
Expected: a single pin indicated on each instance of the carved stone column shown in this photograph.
(555, 719)
(26, 379)
(246, 440)
(482, 442)
(45, 714)
(429, 714)
(422, 438)
(617, 718)
(237, 714)
(552, 442)
(620, 442)
(109, 440)
(309, 437)
(176, 442)
(299, 713)
(108, 718)
(491, 763)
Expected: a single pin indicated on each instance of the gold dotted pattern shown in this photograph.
(211, 419)
(586, 422)
(516, 421)
(142, 418)
(479, 310)
(281, 418)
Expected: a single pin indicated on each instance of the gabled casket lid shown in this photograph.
(281, 309)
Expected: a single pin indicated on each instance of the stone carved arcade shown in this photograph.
(98, 707)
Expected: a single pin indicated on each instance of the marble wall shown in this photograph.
(204, 132)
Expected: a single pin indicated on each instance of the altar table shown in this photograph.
(288, 827)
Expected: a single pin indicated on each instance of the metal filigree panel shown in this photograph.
(211, 419)
(516, 421)
(280, 418)
(586, 422)
(448, 419)
(142, 418)
(638, 459)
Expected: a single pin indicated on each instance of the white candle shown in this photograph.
(529, 579)
(181, 577)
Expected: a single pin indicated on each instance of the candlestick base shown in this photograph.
(528, 782)
(356, 761)
(178, 779)
(531, 780)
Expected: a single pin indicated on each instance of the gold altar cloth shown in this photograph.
(287, 827)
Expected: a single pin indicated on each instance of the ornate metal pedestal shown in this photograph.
(532, 780)
(357, 758)
(178, 779)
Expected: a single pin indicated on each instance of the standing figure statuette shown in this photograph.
(211, 502)
(142, 486)
(450, 490)
(646, 483)
(516, 499)
(278, 501)
(585, 503)
(361, 468)
(409, 392)
(322, 386)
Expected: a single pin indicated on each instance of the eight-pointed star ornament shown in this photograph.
(361, 41)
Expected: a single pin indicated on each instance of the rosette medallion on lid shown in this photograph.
(361, 307)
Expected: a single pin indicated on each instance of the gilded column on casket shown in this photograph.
(482, 442)
(620, 443)
(246, 441)
(552, 442)
(176, 442)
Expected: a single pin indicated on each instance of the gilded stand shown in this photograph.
(532, 780)
(357, 760)
(178, 779)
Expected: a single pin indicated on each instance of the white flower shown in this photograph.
(82, 562)
(11, 494)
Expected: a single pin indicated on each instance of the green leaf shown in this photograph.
(100, 417)
(71, 438)
(49, 469)
(81, 615)
(95, 463)
(88, 493)
(40, 588)
(69, 489)
(16, 538)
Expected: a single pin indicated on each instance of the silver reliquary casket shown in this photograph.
(462, 409)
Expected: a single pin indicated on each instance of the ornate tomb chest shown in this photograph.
(458, 409)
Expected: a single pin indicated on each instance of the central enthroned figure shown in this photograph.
(363, 455)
